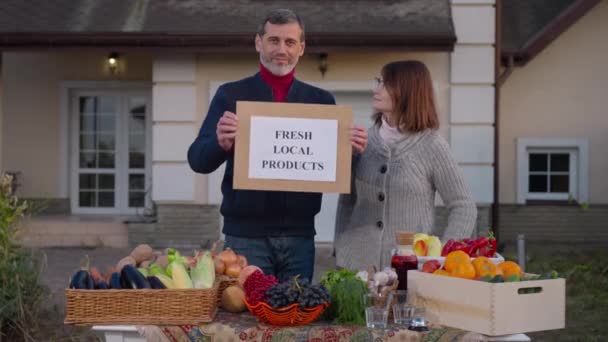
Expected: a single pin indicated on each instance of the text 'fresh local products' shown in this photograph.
(292, 150)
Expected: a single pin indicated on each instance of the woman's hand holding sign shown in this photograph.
(358, 139)
(226, 130)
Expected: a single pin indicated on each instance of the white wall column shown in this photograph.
(472, 94)
(174, 128)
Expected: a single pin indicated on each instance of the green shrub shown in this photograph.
(21, 292)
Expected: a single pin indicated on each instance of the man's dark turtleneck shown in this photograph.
(279, 84)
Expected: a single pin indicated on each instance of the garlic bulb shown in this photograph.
(372, 287)
(363, 275)
(381, 278)
(392, 275)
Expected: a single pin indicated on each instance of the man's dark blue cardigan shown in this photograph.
(251, 213)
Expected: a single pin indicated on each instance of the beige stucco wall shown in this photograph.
(353, 67)
(31, 83)
(560, 94)
(31, 106)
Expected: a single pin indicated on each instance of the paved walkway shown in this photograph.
(61, 263)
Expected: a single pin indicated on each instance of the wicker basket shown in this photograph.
(141, 307)
(288, 316)
(225, 282)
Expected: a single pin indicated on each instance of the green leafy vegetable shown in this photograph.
(332, 277)
(346, 291)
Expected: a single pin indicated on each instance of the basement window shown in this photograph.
(552, 170)
(551, 174)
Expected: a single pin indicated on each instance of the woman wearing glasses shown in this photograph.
(396, 177)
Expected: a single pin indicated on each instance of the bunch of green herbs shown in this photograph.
(346, 291)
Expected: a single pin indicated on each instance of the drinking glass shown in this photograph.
(376, 310)
(418, 320)
(403, 313)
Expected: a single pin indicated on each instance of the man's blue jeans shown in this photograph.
(284, 257)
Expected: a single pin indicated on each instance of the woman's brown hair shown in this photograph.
(410, 87)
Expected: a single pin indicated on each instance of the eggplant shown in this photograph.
(101, 285)
(130, 278)
(115, 281)
(90, 283)
(155, 283)
(82, 280)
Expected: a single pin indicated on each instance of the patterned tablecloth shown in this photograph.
(245, 327)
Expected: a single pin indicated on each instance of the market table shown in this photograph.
(245, 327)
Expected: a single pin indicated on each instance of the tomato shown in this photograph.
(430, 266)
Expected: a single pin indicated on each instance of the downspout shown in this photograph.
(497, 54)
(500, 79)
(505, 74)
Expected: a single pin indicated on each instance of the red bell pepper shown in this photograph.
(447, 248)
(460, 246)
(491, 252)
(474, 248)
(478, 245)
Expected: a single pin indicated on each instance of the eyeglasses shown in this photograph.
(378, 82)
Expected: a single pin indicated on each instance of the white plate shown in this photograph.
(497, 260)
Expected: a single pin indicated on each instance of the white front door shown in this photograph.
(110, 154)
(361, 102)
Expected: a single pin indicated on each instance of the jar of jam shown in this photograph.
(404, 258)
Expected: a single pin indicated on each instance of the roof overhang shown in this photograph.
(548, 34)
(315, 42)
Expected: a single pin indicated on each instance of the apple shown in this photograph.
(421, 248)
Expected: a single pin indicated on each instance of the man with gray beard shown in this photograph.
(273, 229)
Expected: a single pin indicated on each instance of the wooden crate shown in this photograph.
(489, 308)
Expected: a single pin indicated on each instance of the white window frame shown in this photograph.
(578, 149)
(74, 150)
(572, 175)
(68, 184)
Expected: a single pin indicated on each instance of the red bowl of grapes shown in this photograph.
(291, 303)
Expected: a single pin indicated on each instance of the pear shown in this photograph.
(434, 246)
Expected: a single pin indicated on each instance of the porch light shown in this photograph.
(113, 61)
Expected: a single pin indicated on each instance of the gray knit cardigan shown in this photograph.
(394, 190)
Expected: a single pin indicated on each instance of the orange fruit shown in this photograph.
(483, 269)
(455, 258)
(442, 272)
(478, 261)
(509, 268)
(464, 270)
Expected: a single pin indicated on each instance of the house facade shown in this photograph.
(99, 105)
(553, 125)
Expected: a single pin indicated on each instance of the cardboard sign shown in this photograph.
(293, 147)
